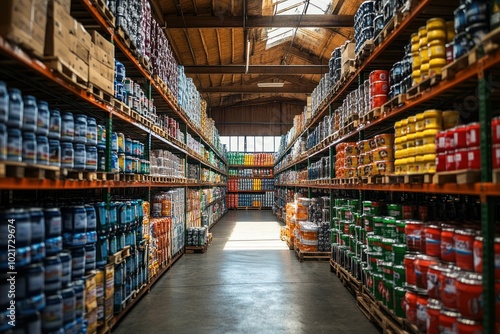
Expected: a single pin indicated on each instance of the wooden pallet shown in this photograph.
(101, 94)
(418, 178)
(79, 175)
(23, 170)
(105, 325)
(491, 41)
(103, 9)
(318, 256)
(122, 107)
(249, 208)
(119, 256)
(417, 90)
(374, 179)
(289, 244)
(59, 66)
(371, 116)
(348, 280)
(459, 177)
(449, 71)
(134, 177)
(141, 119)
(389, 28)
(395, 102)
(126, 39)
(196, 249)
(364, 52)
(496, 176)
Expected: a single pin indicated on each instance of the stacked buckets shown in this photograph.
(379, 88)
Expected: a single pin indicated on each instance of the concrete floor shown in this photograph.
(247, 282)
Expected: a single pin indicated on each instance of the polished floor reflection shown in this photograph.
(247, 282)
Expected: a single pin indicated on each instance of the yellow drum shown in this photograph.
(436, 65)
(424, 55)
(364, 146)
(436, 51)
(412, 120)
(430, 136)
(410, 165)
(433, 119)
(383, 167)
(410, 140)
(351, 162)
(397, 129)
(429, 149)
(419, 164)
(384, 153)
(419, 125)
(398, 145)
(430, 163)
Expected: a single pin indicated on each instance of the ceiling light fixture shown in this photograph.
(271, 84)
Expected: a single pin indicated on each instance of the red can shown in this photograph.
(407, 211)
(413, 231)
(432, 240)
(450, 161)
(411, 306)
(495, 130)
(422, 312)
(468, 326)
(379, 75)
(473, 135)
(496, 156)
(433, 279)
(448, 321)
(409, 263)
(433, 312)
(379, 88)
(448, 244)
(378, 100)
(449, 143)
(441, 142)
(478, 255)
(461, 159)
(441, 162)
(464, 242)
(474, 158)
(447, 288)
(469, 296)
(460, 136)
(422, 263)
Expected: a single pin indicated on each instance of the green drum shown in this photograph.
(378, 286)
(350, 259)
(356, 270)
(344, 239)
(389, 228)
(387, 249)
(340, 202)
(358, 248)
(371, 241)
(399, 251)
(399, 274)
(364, 249)
(334, 235)
(352, 246)
(352, 228)
(367, 222)
(399, 297)
(354, 204)
(344, 226)
(342, 255)
(341, 212)
(387, 270)
(374, 258)
(357, 218)
(371, 208)
(400, 229)
(335, 222)
(389, 294)
(378, 225)
(395, 210)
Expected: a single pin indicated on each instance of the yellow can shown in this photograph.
(436, 65)
(412, 151)
(397, 154)
(419, 124)
(385, 153)
(404, 165)
(415, 39)
(415, 75)
(429, 149)
(403, 153)
(404, 124)
(419, 150)
(436, 35)
(430, 163)
(412, 120)
(433, 119)
(416, 60)
(398, 144)
(435, 23)
(419, 138)
(450, 31)
(423, 43)
(419, 164)
(397, 129)
(436, 51)
(410, 140)
(424, 55)
(424, 71)
(451, 118)
(410, 165)
(422, 32)
(397, 166)
(430, 136)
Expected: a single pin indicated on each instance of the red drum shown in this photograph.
(422, 263)
(411, 298)
(379, 88)
(409, 263)
(473, 135)
(478, 256)
(474, 158)
(448, 321)
(447, 288)
(379, 75)
(464, 242)
(469, 296)
(433, 312)
(433, 240)
(448, 244)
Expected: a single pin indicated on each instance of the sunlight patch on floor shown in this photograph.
(255, 236)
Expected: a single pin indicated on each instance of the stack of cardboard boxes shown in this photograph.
(23, 22)
(105, 287)
(102, 63)
(91, 302)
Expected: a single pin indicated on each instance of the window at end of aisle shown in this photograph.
(251, 144)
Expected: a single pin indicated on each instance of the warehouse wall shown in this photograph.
(271, 119)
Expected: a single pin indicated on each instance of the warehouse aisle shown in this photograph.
(247, 282)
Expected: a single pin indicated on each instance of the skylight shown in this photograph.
(294, 7)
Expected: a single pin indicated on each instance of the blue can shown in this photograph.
(129, 147)
(14, 145)
(90, 255)
(101, 160)
(55, 124)
(80, 156)
(30, 113)
(67, 127)
(54, 153)
(42, 150)
(119, 71)
(91, 158)
(69, 304)
(52, 315)
(91, 237)
(101, 137)
(114, 162)
(53, 274)
(119, 90)
(29, 148)
(65, 257)
(74, 219)
(43, 119)
(53, 246)
(16, 107)
(4, 102)
(79, 288)
(67, 155)
(77, 262)
(114, 142)
(102, 251)
(80, 129)
(3, 141)
(91, 131)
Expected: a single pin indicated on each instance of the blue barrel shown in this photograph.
(37, 234)
(91, 158)
(16, 107)
(91, 131)
(79, 288)
(54, 153)
(42, 153)
(80, 156)
(67, 155)
(53, 274)
(29, 148)
(43, 119)
(55, 124)
(52, 314)
(90, 257)
(67, 127)
(77, 263)
(66, 262)
(14, 145)
(102, 251)
(30, 113)
(69, 304)
(80, 129)
(4, 102)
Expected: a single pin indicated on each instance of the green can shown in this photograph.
(387, 270)
(344, 239)
(344, 226)
(356, 216)
(334, 222)
(374, 258)
(352, 245)
(399, 251)
(344, 213)
(364, 249)
(378, 287)
(399, 274)
(334, 235)
(358, 248)
(374, 242)
(400, 229)
(352, 229)
(378, 225)
(389, 294)
(367, 222)
(371, 208)
(399, 297)
(354, 203)
(389, 228)
(395, 210)
(387, 249)
(340, 202)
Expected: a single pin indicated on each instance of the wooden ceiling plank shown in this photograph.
(257, 69)
(205, 49)
(219, 47)
(281, 21)
(254, 89)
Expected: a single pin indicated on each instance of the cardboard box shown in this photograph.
(82, 52)
(105, 71)
(100, 55)
(90, 294)
(347, 52)
(82, 35)
(96, 79)
(60, 34)
(91, 317)
(104, 44)
(23, 22)
(66, 4)
(57, 13)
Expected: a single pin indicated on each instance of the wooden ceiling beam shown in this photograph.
(256, 69)
(254, 89)
(279, 21)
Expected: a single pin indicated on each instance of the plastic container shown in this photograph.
(433, 119)
(80, 135)
(67, 127)
(67, 155)
(30, 113)
(80, 156)
(42, 143)
(16, 107)
(91, 158)
(14, 145)
(29, 148)
(433, 312)
(43, 119)
(410, 302)
(469, 289)
(464, 241)
(55, 124)
(478, 255)
(448, 289)
(4, 102)
(52, 314)
(448, 321)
